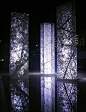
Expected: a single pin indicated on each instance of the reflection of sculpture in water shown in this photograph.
(19, 95)
(48, 94)
(66, 97)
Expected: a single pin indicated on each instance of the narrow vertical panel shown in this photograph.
(53, 48)
(19, 51)
(47, 48)
(66, 41)
(42, 48)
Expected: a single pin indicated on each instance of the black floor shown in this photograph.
(42, 94)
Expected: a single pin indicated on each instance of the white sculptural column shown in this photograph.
(47, 48)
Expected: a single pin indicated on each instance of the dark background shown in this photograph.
(39, 11)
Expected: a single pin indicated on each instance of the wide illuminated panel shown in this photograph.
(47, 94)
(66, 41)
(66, 97)
(19, 36)
(47, 50)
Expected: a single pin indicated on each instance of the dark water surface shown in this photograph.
(42, 94)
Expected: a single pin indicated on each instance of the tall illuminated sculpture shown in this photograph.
(19, 36)
(47, 50)
(66, 41)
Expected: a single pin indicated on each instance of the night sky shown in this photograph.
(39, 11)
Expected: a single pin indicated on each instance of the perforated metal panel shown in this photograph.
(19, 45)
(66, 41)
